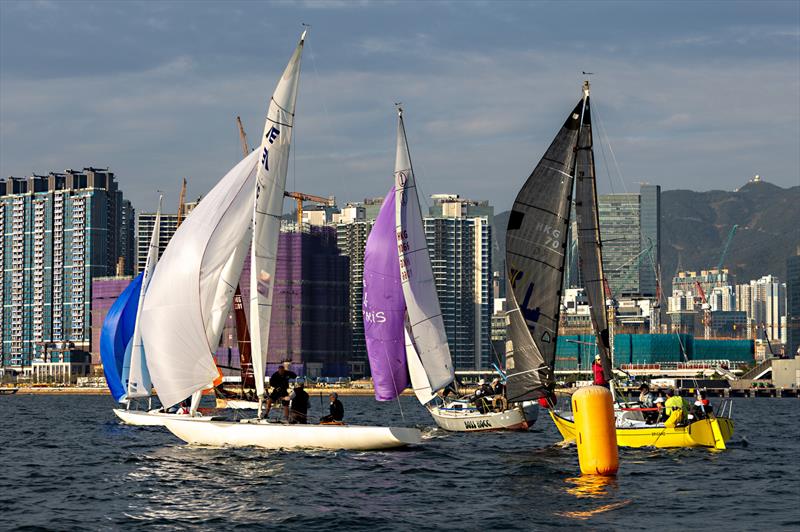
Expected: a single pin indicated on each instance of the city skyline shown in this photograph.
(680, 94)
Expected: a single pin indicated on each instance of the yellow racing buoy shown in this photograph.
(596, 433)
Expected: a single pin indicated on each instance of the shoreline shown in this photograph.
(74, 390)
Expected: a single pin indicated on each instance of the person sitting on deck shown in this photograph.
(280, 389)
(674, 409)
(646, 401)
(298, 401)
(597, 370)
(337, 410)
(702, 407)
(659, 404)
(481, 396)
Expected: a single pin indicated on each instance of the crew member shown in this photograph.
(481, 395)
(280, 389)
(298, 403)
(702, 407)
(673, 408)
(337, 410)
(646, 401)
(597, 370)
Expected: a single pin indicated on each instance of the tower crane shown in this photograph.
(181, 205)
(725, 247)
(706, 311)
(299, 197)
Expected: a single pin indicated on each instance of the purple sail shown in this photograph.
(384, 306)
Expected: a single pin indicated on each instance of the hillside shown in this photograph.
(695, 225)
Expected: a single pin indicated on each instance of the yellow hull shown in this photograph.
(713, 433)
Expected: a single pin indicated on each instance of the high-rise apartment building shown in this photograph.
(167, 227)
(309, 326)
(630, 228)
(58, 233)
(144, 230)
(793, 304)
(764, 301)
(461, 256)
(352, 230)
(649, 237)
(620, 230)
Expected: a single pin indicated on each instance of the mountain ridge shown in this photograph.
(695, 226)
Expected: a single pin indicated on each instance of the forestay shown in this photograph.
(139, 384)
(191, 290)
(416, 273)
(268, 206)
(589, 243)
(535, 245)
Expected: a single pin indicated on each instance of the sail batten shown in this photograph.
(535, 253)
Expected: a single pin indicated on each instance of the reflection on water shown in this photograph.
(591, 486)
(67, 460)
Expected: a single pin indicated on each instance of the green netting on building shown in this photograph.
(733, 350)
(651, 348)
(572, 349)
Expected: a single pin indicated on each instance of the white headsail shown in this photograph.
(268, 207)
(192, 288)
(419, 379)
(139, 384)
(416, 273)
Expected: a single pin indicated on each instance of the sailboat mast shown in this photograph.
(589, 240)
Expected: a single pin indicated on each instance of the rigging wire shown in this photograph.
(324, 100)
(611, 150)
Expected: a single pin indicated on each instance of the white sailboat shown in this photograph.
(193, 288)
(411, 288)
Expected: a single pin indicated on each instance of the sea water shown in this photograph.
(68, 464)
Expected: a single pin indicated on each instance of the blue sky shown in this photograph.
(698, 95)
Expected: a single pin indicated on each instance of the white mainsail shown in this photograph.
(416, 273)
(193, 287)
(267, 209)
(139, 384)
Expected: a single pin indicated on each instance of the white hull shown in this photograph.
(153, 418)
(238, 404)
(280, 436)
(521, 417)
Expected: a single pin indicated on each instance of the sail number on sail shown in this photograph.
(271, 135)
(402, 248)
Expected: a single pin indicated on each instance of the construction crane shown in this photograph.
(706, 311)
(243, 137)
(725, 248)
(300, 197)
(181, 204)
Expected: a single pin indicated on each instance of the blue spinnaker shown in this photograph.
(116, 334)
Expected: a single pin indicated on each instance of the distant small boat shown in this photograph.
(8, 391)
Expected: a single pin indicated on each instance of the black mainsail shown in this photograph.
(589, 243)
(535, 251)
